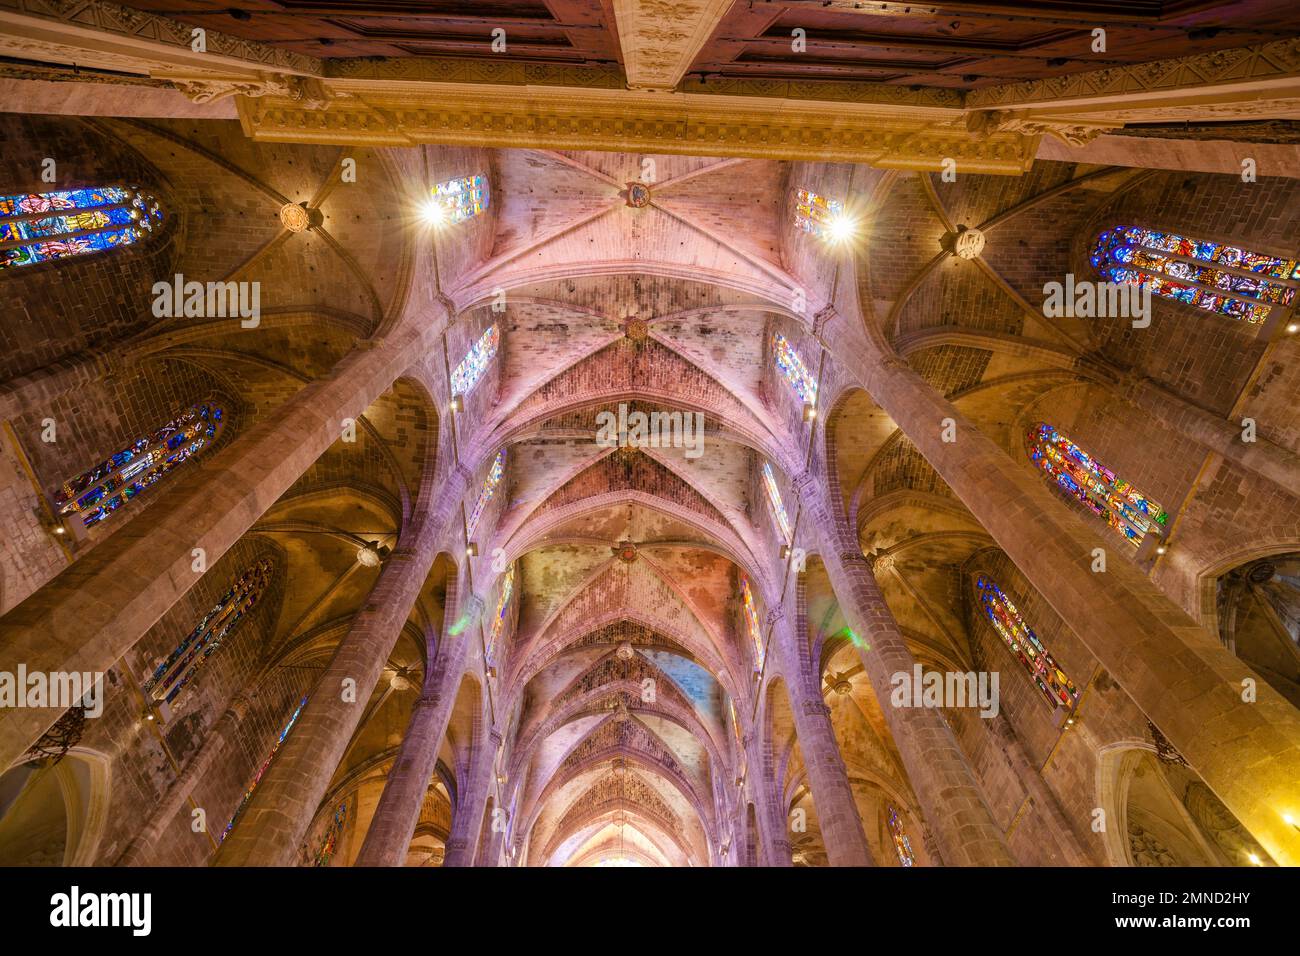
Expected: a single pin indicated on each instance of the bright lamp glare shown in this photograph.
(842, 228)
(433, 213)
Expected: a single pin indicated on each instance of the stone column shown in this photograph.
(467, 820)
(1180, 676)
(398, 812)
(281, 809)
(944, 784)
(95, 610)
(837, 812)
(215, 745)
(769, 808)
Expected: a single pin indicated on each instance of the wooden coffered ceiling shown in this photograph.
(968, 44)
(549, 31)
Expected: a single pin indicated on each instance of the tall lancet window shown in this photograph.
(485, 493)
(330, 839)
(1024, 643)
(459, 199)
(774, 499)
(38, 227)
(752, 622)
(817, 215)
(503, 605)
(471, 368)
(1131, 513)
(902, 845)
(176, 672)
(791, 367)
(257, 777)
(97, 493)
(1213, 276)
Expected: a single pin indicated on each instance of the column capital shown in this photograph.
(775, 614)
(474, 606)
(822, 319)
(814, 707)
(804, 484)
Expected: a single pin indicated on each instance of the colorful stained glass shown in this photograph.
(173, 674)
(257, 777)
(791, 366)
(471, 368)
(816, 214)
(1131, 513)
(752, 622)
(97, 493)
(1024, 643)
(503, 604)
(1213, 276)
(485, 494)
(330, 841)
(902, 844)
(774, 499)
(461, 199)
(38, 227)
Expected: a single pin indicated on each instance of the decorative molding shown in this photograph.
(1279, 60)
(85, 16)
(306, 91)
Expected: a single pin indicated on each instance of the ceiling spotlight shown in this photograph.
(433, 212)
(841, 228)
(1162, 549)
(809, 411)
(471, 549)
(371, 555)
(1293, 328)
(457, 404)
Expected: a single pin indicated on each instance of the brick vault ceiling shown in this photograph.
(669, 306)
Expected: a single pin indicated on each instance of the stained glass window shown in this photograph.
(816, 214)
(173, 674)
(751, 622)
(774, 499)
(487, 491)
(471, 368)
(1131, 513)
(791, 366)
(1209, 275)
(503, 605)
(1024, 643)
(38, 227)
(901, 843)
(257, 777)
(97, 493)
(330, 841)
(461, 199)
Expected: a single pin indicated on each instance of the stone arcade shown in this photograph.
(388, 576)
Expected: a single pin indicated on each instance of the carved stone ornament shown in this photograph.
(638, 194)
(987, 122)
(294, 217)
(307, 92)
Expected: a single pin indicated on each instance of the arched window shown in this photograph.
(1024, 643)
(1209, 275)
(902, 845)
(1131, 513)
(751, 622)
(97, 493)
(471, 368)
(774, 499)
(257, 777)
(459, 199)
(817, 215)
(173, 674)
(503, 604)
(41, 226)
(792, 368)
(330, 840)
(487, 491)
